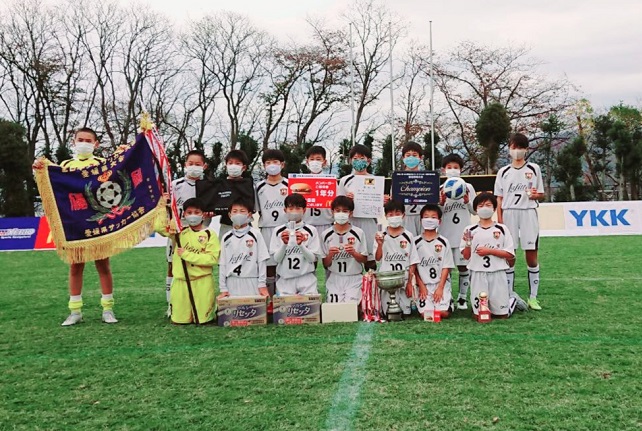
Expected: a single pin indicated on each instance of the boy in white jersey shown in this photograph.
(519, 187)
(488, 246)
(295, 247)
(320, 218)
(344, 253)
(456, 216)
(412, 157)
(395, 250)
(360, 157)
(270, 196)
(432, 273)
(184, 189)
(242, 265)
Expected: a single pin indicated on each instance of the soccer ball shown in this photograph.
(455, 188)
(109, 194)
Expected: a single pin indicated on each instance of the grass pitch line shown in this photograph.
(346, 399)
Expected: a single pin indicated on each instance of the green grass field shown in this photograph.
(576, 365)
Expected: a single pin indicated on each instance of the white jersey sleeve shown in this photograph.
(434, 256)
(183, 189)
(512, 184)
(344, 263)
(270, 200)
(498, 237)
(397, 252)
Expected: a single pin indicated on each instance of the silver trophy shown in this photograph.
(390, 281)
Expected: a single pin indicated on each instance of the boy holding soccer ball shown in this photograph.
(456, 215)
(519, 188)
(488, 246)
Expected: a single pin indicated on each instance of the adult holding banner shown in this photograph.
(98, 207)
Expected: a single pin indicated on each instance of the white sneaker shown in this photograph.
(462, 304)
(108, 317)
(72, 319)
(168, 313)
(520, 304)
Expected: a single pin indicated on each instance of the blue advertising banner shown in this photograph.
(415, 187)
(18, 233)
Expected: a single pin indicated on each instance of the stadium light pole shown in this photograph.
(392, 113)
(432, 109)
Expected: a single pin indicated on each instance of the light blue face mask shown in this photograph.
(359, 165)
(411, 162)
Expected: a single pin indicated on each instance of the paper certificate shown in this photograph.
(368, 196)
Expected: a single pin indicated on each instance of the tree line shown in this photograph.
(220, 82)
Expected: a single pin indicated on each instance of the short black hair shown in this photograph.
(484, 197)
(238, 155)
(193, 203)
(452, 158)
(244, 203)
(272, 154)
(412, 146)
(86, 130)
(295, 200)
(393, 205)
(315, 149)
(361, 150)
(196, 153)
(519, 140)
(431, 207)
(343, 202)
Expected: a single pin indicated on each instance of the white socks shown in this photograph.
(533, 280)
(464, 283)
(510, 279)
(168, 287)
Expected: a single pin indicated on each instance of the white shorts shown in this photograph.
(242, 286)
(495, 285)
(369, 228)
(343, 288)
(266, 232)
(523, 224)
(428, 304)
(169, 250)
(303, 285)
(412, 223)
(458, 258)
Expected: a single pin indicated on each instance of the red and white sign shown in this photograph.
(318, 191)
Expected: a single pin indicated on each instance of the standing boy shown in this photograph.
(412, 157)
(435, 263)
(519, 188)
(295, 248)
(395, 250)
(344, 253)
(456, 216)
(320, 218)
(488, 246)
(270, 198)
(242, 267)
(84, 144)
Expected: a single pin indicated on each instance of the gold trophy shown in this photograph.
(483, 313)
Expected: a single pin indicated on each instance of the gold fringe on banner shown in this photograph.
(87, 250)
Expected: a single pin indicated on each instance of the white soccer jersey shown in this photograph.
(242, 254)
(496, 236)
(434, 256)
(270, 200)
(456, 216)
(294, 264)
(512, 183)
(183, 189)
(399, 252)
(344, 263)
(318, 216)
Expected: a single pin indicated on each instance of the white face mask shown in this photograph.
(239, 219)
(234, 170)
(451, 173)
(315, 166)
(84, 149)
(296, 217)
(273, 169)
(341, 218)
(194, 220)
(517, 154)
(485, 212)
(194, 171)
(430, 223)
(395, 221)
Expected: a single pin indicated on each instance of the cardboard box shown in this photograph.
(242, 311)
(297, 310)
(339, 312)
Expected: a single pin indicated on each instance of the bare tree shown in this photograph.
(414, 92)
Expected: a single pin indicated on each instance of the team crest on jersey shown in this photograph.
(438, 248)
(284, 191)
(351, 241)
(249, 243)
(496, 234)
(528, 175)
(202, 239)
(403, 244)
